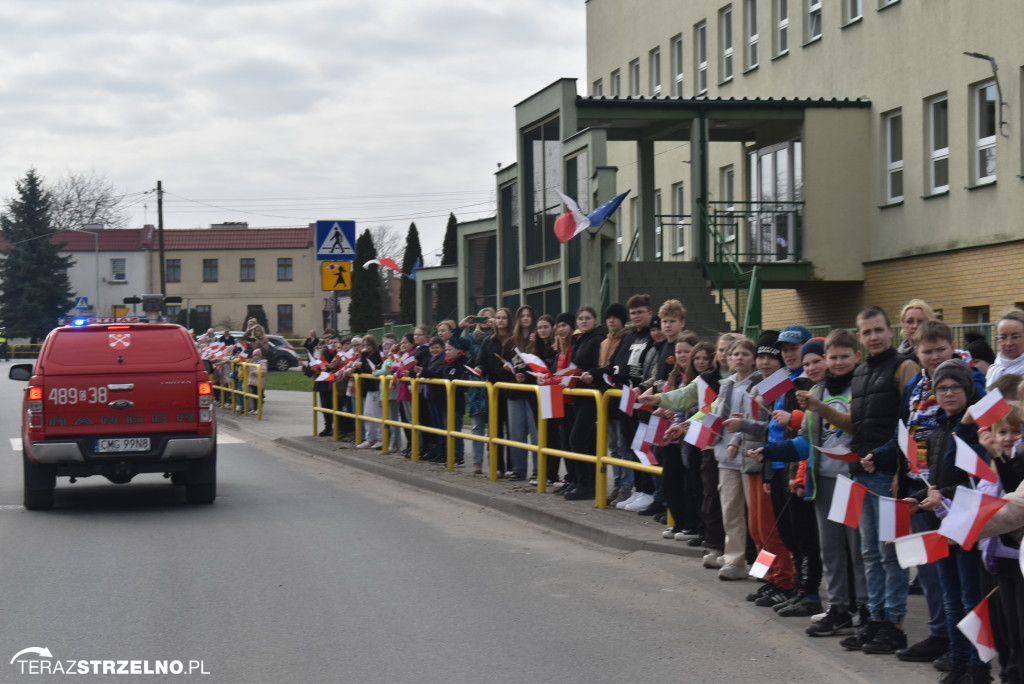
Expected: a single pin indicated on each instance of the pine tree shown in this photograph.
(448, 292)
(407, 292)
(33, 274)
(365, 310)
(450, 247)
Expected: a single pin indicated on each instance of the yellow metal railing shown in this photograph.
(601, 460)
(238, 388)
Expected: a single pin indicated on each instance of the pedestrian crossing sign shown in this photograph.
(335, 275)
(335, 240)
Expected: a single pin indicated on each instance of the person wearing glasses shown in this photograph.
(1010, 341)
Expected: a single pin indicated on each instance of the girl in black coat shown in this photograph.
(586, 351)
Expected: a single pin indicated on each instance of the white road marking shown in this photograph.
(223, 438)
(15, 443)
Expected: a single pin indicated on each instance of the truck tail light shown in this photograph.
(35, 407)
(205, 402)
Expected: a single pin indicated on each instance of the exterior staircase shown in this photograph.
(682, 280)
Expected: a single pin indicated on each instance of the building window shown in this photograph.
(679, 208)
(172, 270)
(210, 270)
(813, 19)
(616, 83)
(172, 311)
(634, 78)
(247, 270)
(727, 187)
(598, 88)
(853, 9)
(541, 169)
(700, 40)
(658, 232)
(938, 144)
(204, 316)
(781, 27)
(753, 37)
(118, 271)
(677, 66)
(985, 132)
(284, 319)
(654, 58)
(284, 269)
(725, 22)
(894, 157)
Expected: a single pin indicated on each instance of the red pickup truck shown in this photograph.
(117, 400)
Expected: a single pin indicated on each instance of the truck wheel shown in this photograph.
(201, 487)
(40, 481)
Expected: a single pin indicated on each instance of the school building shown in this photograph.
(787, 160)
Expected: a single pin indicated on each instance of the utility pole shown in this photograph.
(160, 234)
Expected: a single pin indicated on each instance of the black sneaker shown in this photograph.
(925, 651)
(764, 590)
(977, 674)
(942, 663)
(834, 623)
(695, 542)
(862, 636)
(888, 639)
(774, 598)
(954, 674)
(654, 509)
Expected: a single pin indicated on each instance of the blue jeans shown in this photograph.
(479, 428)
(619, 448)
(960, 574)
(931, 585)
(522, 427)
(887, 581)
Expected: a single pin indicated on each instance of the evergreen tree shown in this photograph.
(407, 292)
(450, 247)
(33, 274)
(259, 314)
(365, 309)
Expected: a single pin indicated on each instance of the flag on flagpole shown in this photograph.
(599, 215)
(533, 362)
(571, 223)
(847, 502)
(970, 511)
(977, 627)
(909, 446)
(969, 460)
(921, 548)
(386, 263)
(552, 403)
(628, 400)
(775, 385)
(705, 395)
(417, 265)
(702, 433)
(893, 518)
(840, 453)
(991, 408)
(761, 565)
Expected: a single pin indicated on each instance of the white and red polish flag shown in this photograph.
(628, 400)
(991, 408)
(977, 626)
(909, 446)
(705, 395)
(386, 263)
(840, 453)
(646, 437)
(372, 365)
(475, 371)
(921, 548)
(775, 385)
(406, 363)
(552, 403)
(969, 460)
(847, 502)
(571, 223)
(702, 433)
(761, 564)
(893, 518)
(533, 362)
(970, 511)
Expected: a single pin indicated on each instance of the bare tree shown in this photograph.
(388, 243)
(81, 198)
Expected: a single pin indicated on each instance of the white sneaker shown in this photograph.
(712, 560)
(685, 536)
(733, 571)
(641, 502)
(365, 445)
(669, 533)
(631, 499)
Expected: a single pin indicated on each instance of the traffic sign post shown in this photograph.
(335, 241)
(335, 275)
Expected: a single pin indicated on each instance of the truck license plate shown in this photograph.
(118, 445)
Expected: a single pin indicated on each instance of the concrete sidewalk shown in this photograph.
(287, 420)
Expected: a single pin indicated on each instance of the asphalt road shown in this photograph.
(305, 570)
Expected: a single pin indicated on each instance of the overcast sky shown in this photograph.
(280, 112)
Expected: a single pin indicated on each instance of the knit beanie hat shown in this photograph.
(619, 311)
(566, 318)
(768, 343)
(815, 345)
(978, 347)
(955, 369)
(655, 322)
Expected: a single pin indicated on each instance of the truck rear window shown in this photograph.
(121, 347)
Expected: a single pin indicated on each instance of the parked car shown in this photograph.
(282, 355)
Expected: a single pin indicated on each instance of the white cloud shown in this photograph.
(226, 100)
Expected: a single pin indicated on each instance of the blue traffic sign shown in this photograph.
(336, 240)
(81, 303)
